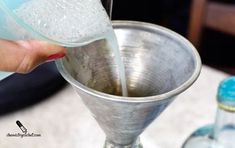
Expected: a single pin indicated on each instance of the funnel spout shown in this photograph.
(110, 116)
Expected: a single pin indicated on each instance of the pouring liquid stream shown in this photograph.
(112, 40)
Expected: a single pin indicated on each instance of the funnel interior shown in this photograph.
(156, 61)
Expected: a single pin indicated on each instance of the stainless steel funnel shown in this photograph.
(160, 64)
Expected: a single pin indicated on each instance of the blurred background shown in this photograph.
(208, 24)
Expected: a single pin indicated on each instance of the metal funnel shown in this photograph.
(160, 64)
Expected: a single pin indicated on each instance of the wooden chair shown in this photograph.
(216, 15)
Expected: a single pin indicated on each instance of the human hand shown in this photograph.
(24, 56)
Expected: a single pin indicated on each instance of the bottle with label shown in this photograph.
(221, 134)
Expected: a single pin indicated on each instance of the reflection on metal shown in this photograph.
(160, 64)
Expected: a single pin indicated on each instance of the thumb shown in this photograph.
(24, 56)
(37, 53)
(48, 51)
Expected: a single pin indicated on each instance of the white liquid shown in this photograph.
(67, 21)
(73, 22)
(112, 40)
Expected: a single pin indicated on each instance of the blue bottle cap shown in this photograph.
(226, 94)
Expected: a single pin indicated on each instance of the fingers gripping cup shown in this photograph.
(69, 23)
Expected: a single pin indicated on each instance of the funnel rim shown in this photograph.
(160, 97)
